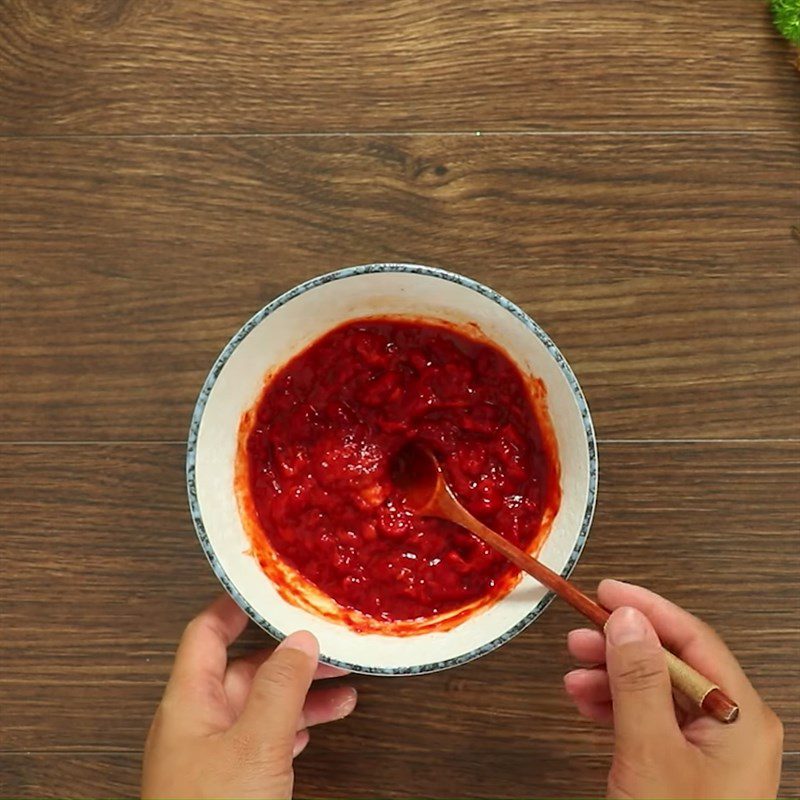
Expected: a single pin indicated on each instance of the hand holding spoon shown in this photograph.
(418, 474)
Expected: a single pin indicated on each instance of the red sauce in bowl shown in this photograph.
(315, 471)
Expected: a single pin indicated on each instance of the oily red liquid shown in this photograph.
(319, 453)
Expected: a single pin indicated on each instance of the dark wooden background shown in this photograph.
(627, 172)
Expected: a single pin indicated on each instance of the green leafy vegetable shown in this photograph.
(786, 14)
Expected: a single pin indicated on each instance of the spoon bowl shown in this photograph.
(416, 472)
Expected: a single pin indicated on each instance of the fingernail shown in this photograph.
(300, 742)
(348, 704)
(301, 640)
(569, 682)
(626, 625)
(571, 635)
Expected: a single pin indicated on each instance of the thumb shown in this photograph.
(272, 713)
(644, 716)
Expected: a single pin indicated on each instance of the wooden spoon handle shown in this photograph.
(552, 580)
(702, 692)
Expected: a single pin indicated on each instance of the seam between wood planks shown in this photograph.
(363, 134)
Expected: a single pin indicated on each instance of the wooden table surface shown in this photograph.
(627, 172)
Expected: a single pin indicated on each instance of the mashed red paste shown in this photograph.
(319, 445)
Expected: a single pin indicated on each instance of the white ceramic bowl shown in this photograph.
(286, 326)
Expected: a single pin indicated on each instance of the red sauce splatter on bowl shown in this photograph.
(314, 473)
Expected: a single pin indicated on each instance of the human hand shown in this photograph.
(232, 729)
(662, 748)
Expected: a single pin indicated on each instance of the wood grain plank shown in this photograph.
(664, 267)
(106, 571)
(134, 66)
(518, 773)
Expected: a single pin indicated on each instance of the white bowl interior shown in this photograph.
(286, 331)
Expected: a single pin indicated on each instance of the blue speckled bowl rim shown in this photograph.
(368, 269)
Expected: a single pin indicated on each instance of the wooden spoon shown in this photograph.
(417, 473)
